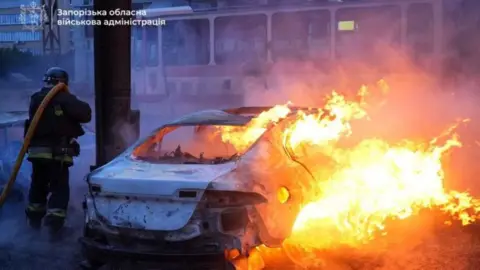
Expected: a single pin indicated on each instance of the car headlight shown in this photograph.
(283, 195)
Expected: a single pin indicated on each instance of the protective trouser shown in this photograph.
(49, 176)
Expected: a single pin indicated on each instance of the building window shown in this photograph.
(20, 36)
(15, 19)
(34, 51)
(9, 19)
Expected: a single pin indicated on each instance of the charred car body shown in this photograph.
(197, 197)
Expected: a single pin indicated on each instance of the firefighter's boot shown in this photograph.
(55, 219)
(35, 213)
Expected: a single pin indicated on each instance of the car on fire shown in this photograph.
(183, 192)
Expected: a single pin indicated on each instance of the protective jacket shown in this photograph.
(51, 151)
(59, 123)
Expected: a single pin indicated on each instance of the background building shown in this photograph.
(14, 33)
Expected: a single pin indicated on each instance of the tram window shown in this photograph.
(88, 31)
(301, 34)
(420, 28)
(137, 46)
(240, 39)
(151, 46)
(363, 32)
(186, 42)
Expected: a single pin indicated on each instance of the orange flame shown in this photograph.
(367, 184)
(242, 137)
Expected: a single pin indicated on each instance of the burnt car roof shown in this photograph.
(233, 116)
(259, 109)
(14, 118)
(210, 117)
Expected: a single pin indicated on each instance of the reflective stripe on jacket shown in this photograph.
(46, 153)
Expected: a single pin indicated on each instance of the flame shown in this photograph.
(368, 184)
(377, 181)
(242, 137)
(326, 125)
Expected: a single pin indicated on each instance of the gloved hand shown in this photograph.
(75, 147)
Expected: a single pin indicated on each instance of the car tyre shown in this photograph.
(91, 261)
(228, 266)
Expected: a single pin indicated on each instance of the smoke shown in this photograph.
(22, 247)
(419, 104)
(410, 97)
(422, 95)
(417, 100)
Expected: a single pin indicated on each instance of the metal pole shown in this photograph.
(113, 114)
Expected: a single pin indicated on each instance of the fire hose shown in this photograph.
(28, 136)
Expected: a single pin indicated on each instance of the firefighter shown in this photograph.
(51, 151)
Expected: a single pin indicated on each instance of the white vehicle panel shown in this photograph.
(143, 195)
(145, 214)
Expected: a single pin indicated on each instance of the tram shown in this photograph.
(202, 57)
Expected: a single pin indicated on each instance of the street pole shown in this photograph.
(113, 114)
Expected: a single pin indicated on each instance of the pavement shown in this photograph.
(449, 247)
(23, 248)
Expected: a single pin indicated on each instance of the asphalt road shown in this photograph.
(421, 243)
(448, 247)
(23, 249)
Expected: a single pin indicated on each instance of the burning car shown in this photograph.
(185, 191)
(245, 181)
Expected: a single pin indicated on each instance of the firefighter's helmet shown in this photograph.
(56, 75)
